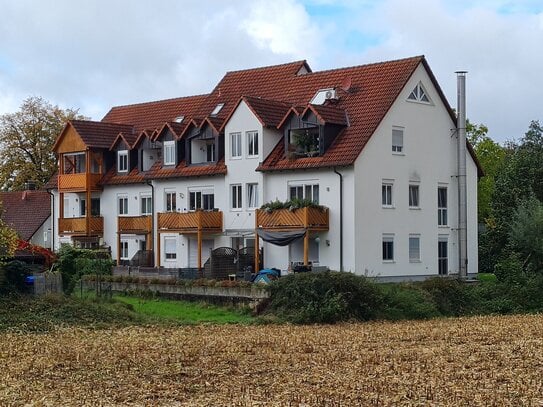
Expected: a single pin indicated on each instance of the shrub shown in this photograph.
(450, 296)
(326, 297)
(407, 301)
(14, 274)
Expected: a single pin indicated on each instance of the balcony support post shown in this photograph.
(199, 248)
(257, 252)
(118, 242)
(88, 190)
(158, 249)
(306, 237)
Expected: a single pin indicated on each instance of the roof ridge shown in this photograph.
(101, 122)
(267, 99)
(420, 57)
(160, 101)
(298, 62)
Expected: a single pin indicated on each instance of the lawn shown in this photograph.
(477, 361)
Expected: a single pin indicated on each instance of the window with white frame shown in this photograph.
(170, 201)
(397, 139)
(170, 252)
(386, 194)
(442, 206)
(443, 255)
(169, 152)
(252, 195)
(146, 205)
(123, 205)
(388, 247)
(418, 94)
(66, 213)
(122, 161)
(235, 145)
(414, 248)
(413, 195)
(252, 143)
(124, 250)
(235, 192)
(201, 199)
(308, 191)
(210, 152)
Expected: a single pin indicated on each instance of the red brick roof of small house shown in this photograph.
(25, 211)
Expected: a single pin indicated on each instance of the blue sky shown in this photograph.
(94, 55)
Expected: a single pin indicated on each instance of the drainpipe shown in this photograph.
(52, 220)
(150, 183)
(340, 218)
(462, 187)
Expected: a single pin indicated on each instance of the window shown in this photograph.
(95, 207)
(304, 142)
(397, 139)
(169, 248)
(66, 208)
(170, 201)
(386, 194)
(388, 247)
(201, 200)
(123, 205)
(442, 256)
(236, 196)
(146, 205)
(210, 152)
(442, 206)
(169, 153)
(252, 143)
(413, 196)
(217, 109)
(122, 161)
(418, 94)
(124, 250)
(235, 145)
(252, 195)
(414, 248)
(304, 191)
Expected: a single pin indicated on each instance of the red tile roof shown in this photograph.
(269, 112)
(328, 114)
(99, 134)
(152, 115)
(113, 178)
(182, 170)
(25, 211)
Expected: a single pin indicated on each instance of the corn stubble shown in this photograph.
(486, 361)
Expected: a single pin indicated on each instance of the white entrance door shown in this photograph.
(207, 245)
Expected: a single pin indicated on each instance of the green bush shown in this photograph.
(326, 297)
(407, 301)
(451, 297)
(14, 274)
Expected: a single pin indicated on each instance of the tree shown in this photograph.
(527, 233)
(26, 142)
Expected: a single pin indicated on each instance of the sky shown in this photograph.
(93, 55)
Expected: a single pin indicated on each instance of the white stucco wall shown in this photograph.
(428, 157)
(43, 237)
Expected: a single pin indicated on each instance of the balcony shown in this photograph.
(78, 182)
(137, 225)
(78, 226)
(284, 219)
(190, 222)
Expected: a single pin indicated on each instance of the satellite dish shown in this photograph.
(346, 83)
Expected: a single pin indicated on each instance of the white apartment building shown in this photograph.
(375, 148)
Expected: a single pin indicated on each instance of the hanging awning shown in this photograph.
(281, 238)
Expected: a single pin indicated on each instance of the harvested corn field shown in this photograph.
(490, 361)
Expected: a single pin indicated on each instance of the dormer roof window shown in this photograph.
(179, 119)
(323, 95)
(419, 94)
(217, 109)
(122, 161)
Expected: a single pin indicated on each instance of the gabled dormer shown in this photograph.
(310, 132)
(148, 150)
(167, 139)
(126, 158)
(204, 144)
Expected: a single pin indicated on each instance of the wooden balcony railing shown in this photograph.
(285, 219)
(78, 182)
(134, 224)
(77, 226)
(190, 222)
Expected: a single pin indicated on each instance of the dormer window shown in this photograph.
(122, 161)
(169, 152)
(217, 109)
(304, 142)
(419, 94)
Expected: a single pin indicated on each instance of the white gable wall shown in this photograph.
(429, 157)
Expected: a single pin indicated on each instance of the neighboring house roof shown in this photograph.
(25, 211)
(153, 115)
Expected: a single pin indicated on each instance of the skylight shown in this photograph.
(179, 119)
(217, 109)
(323, 95)
(418, 94)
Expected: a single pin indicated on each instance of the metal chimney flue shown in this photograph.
(462, 186)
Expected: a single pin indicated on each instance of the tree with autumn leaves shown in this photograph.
(26, 142)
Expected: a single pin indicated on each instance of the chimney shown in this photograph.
(30, 185)
(462, 187)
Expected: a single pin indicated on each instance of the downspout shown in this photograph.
(150, 183)
(462, 187)
(340, 218)
(52, 220)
